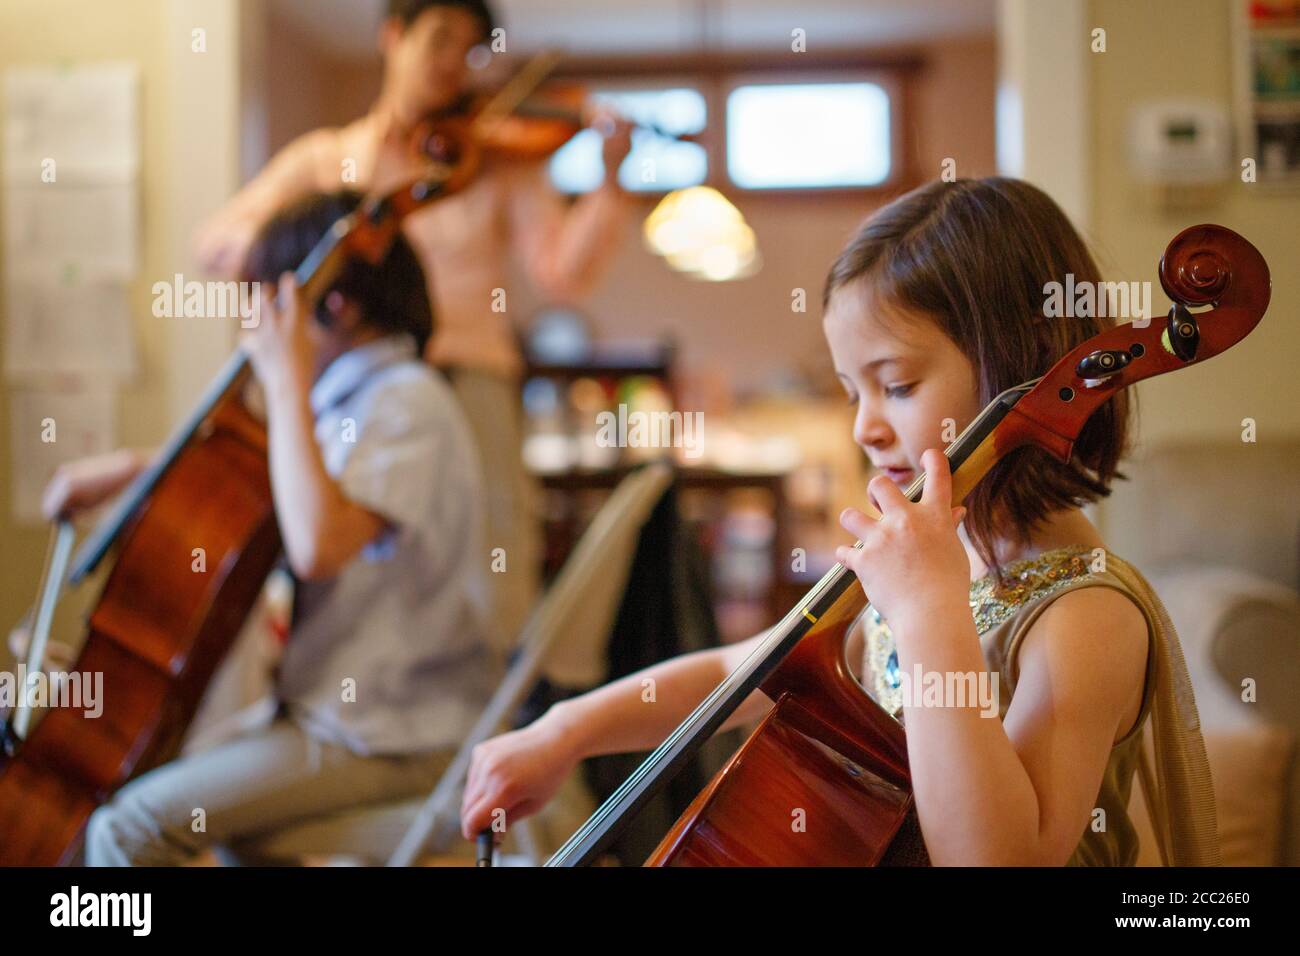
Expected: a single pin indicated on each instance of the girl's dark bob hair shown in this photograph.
(975, 255)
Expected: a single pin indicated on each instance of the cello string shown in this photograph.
(310, 275)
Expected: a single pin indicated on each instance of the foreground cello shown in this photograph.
(825, 746)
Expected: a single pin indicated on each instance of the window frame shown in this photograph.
(701, 85)
(716, 74)
(886, 81)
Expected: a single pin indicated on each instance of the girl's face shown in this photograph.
(913, 388)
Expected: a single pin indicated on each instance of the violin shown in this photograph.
(825, 745)
(515, 123)
(159, 628)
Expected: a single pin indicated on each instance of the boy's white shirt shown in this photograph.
(380, 402)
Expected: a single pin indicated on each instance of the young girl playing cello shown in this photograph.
(932, 309)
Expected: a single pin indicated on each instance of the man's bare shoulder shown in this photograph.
(324, 148)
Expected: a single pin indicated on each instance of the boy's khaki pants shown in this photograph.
(244, 789)
(492, 406)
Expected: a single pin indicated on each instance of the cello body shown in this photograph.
(156, 635)
(822, 781)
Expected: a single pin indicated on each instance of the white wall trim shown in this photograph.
(202, 173)
(1043, 118)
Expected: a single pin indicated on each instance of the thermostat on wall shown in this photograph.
(1182, 142)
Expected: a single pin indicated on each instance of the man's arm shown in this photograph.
(321, 527)
(223, 241)
(564, 249)
(323, 530)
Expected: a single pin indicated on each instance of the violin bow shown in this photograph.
(517, 89)
(1203, 265)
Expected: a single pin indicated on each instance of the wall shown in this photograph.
(305, 87)
(744, 333)
(1042, 99)
(188, 156)
(1185, 48)
(1162, 48)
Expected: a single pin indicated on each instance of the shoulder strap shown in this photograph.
(1179, 792)
(1184, 819)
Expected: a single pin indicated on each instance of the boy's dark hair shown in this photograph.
(392, 296)
(975, 255)
(408, 11)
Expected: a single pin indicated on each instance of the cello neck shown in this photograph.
(313, 277)
(368, 232)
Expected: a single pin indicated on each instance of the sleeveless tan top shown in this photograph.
(1179, 797)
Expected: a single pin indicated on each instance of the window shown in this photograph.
(751, 121)
(657, 163)
(808, 135)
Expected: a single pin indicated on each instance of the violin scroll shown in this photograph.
(444, 140)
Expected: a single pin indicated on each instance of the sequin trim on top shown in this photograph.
(991, 603)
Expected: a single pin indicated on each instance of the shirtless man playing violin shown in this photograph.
(464, 243)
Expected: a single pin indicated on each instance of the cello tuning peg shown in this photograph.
(1183, 334)
(1101, 364)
